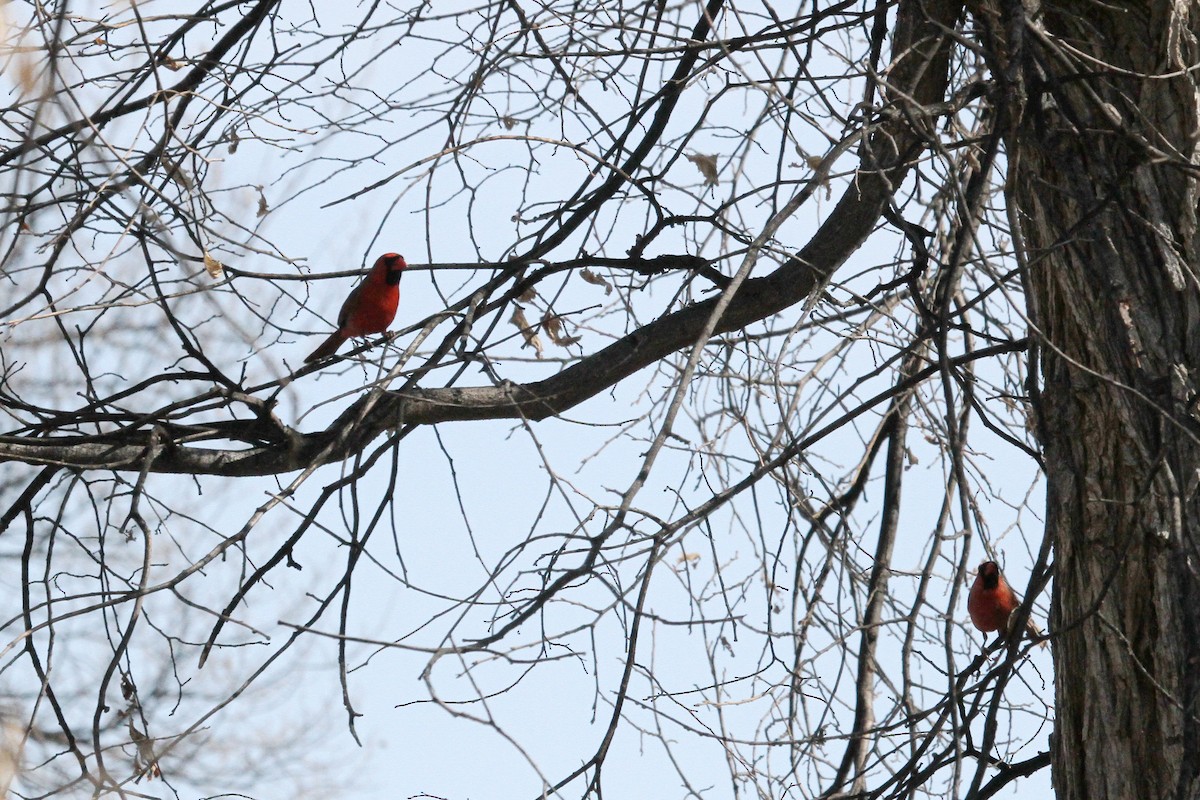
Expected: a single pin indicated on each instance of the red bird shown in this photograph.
(992, 602)
(369, 308)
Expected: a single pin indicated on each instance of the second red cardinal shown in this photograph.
(370, 306)
(992, 602)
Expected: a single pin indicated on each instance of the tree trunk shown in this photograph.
(1101, 134)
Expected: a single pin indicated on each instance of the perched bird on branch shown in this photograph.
(370, 306)
(992, 602)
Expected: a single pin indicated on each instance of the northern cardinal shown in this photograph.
(992, 602)
(370, 306)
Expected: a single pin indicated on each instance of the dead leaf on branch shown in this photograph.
(528, 332)
(175, 172)
(214, 268)
(27, 74)
(595, 280)
(707, 166)
(554, 327)
(816, 164)
(145, 763)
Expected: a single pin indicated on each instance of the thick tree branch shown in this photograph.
(917, 78)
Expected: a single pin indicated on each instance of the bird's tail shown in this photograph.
(327, 348)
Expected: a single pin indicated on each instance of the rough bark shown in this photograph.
(1102, 124)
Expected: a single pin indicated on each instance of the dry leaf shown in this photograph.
(552, 324)
(145, 764)
(234, 140)
(508, 122)
(689, 558)
(595, 280)
(528, 332)
(214, 268)
(151, 217)
(175, 172)
(262, 203)
(707, 166)
(527, 295)
(816, 162)
(26, 74)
